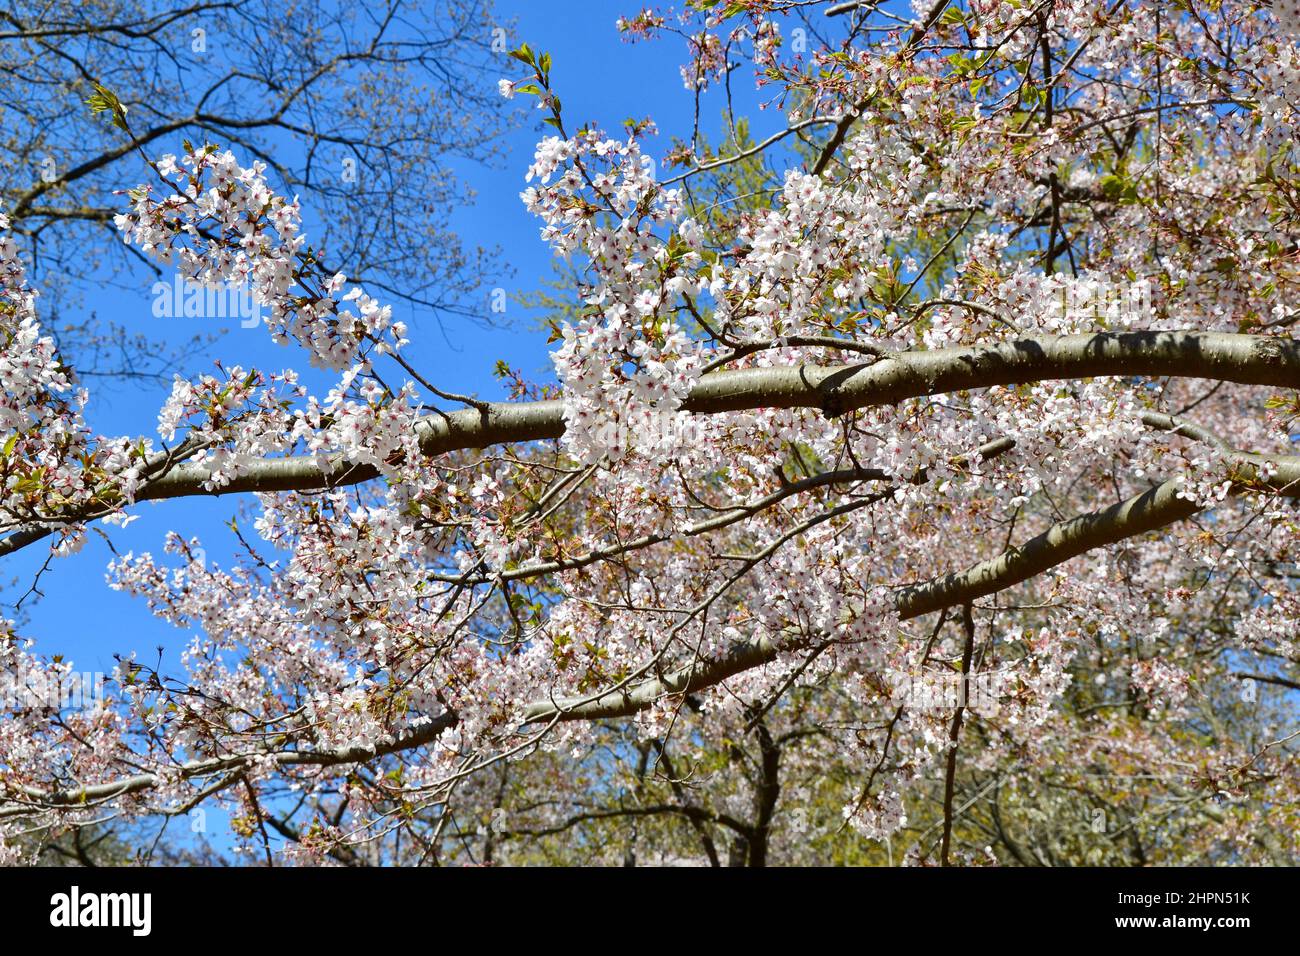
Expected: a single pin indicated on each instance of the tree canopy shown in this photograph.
(916, 484)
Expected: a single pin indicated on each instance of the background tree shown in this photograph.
(361, 109)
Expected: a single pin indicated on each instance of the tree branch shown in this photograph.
(1153, 509)
(1243, 359)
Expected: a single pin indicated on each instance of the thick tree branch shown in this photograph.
(1153, 509)
(1243, 359)
(26, 801)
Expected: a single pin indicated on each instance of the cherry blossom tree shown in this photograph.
(930, 502)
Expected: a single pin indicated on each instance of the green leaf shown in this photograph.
(962, 65)
(1119, 189)
(104, 100)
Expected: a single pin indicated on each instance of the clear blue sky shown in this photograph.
(600, 78)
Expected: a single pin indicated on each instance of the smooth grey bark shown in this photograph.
(1153, 509)
(1221, 356)
(1244, 359)
(27, 801)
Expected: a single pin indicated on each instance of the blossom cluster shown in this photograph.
(220, 224)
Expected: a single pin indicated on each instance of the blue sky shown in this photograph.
(601, 79)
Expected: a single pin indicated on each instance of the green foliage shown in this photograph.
(104, 100)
